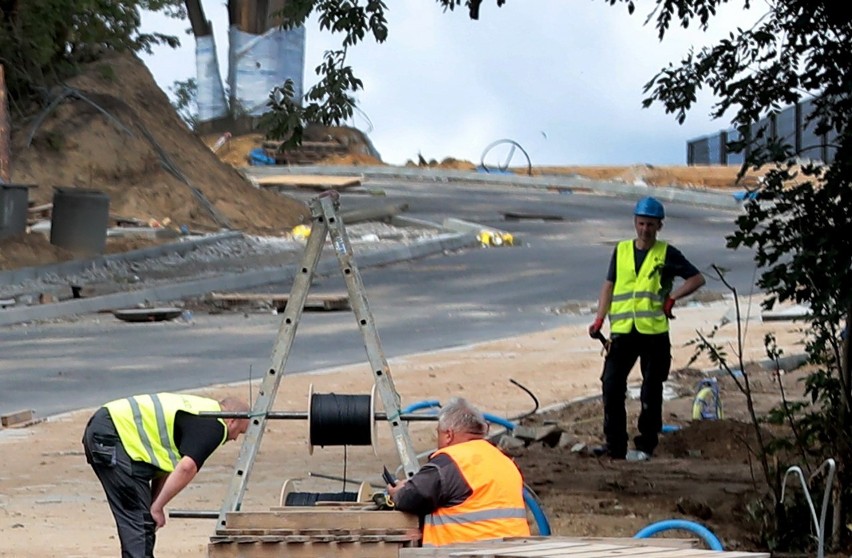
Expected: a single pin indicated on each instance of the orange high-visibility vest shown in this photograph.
(494, 510)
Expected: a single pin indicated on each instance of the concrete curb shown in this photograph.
(245, 280)
(695, 197)
(14, 276)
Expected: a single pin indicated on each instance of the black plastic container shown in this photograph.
(13, 209)
(80, 220)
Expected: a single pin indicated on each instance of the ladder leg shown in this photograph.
(375, 354)
(272, 377)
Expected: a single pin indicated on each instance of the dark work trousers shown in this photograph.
(655, 359)
(127, 485)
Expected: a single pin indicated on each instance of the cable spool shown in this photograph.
(290, 497)
(341, 419)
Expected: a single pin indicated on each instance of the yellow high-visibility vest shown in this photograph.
(146, 425)
(496, 507)
(637, 299)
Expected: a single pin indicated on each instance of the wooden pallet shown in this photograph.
(328, 302)
(314, 533)
(581, 547)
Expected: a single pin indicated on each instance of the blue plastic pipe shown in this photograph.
(421, 405)
(429, 403)
(669, 524)
(538, 514)
(505, 423)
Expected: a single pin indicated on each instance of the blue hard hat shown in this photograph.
(649, 207)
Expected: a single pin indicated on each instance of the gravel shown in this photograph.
(227, 256)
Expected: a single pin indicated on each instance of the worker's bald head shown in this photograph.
(235, 426)
(234, 404)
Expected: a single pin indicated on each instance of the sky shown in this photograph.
(562, 78)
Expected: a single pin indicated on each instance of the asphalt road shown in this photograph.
(433, 303)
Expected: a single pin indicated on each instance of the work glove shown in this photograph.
(595, 328)
(667, 307)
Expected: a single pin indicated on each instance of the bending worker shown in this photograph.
(638, 296)
(469, 490)
(146, 449)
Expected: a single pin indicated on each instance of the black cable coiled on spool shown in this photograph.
(341, 420)
(311, 498)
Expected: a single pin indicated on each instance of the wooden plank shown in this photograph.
(622, 551)
(594, 547)
(308, 181)
(277, 550)
(302, 518)
(17, 418)
(330, 301)
(630, 541)
(519, 215)
(522, 544)
(703, 553)
(520, 550)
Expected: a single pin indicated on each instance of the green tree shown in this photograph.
(185, 101)
(43, 42)
(801, 225)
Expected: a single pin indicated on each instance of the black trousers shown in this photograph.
(127, 485)
(655, 359)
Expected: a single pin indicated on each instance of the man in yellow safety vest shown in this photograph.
(638, 296)
(469, 490)
(145, 449)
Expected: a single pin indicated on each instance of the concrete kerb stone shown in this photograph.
(234, 281)
(621, 189)
(14, 276)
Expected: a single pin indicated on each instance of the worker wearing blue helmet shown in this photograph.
(638, 296)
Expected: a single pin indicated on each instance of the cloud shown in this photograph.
(444, 85)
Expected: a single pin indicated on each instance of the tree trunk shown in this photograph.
(5, 132)
(199, 23)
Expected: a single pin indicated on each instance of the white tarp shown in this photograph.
(211, 93)
(258, 63)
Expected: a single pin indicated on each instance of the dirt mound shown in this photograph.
(30, 250)
(720, 177)
(118, 133)
(354, 144)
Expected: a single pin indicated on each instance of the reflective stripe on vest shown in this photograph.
(146, 425)
(637, 299)
(494, 510)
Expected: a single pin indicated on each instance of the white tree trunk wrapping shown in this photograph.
(257, 63)
(211, 93)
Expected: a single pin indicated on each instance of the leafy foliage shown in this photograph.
(185, 101)
(332, 100)
(801, 224)
(42, 42)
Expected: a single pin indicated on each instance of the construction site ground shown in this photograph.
(51, 503)
(153, 168)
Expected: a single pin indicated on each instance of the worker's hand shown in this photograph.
(667, 307)
(159, 516)
(595, 328)
(392, 490)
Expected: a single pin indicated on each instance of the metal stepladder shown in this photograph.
(324, 223)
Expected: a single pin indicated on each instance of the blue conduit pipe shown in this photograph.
(531, 500)
(421, 405)
(669, 524)
(429, 403)
(505, 423)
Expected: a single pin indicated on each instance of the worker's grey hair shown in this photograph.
(460, 416)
